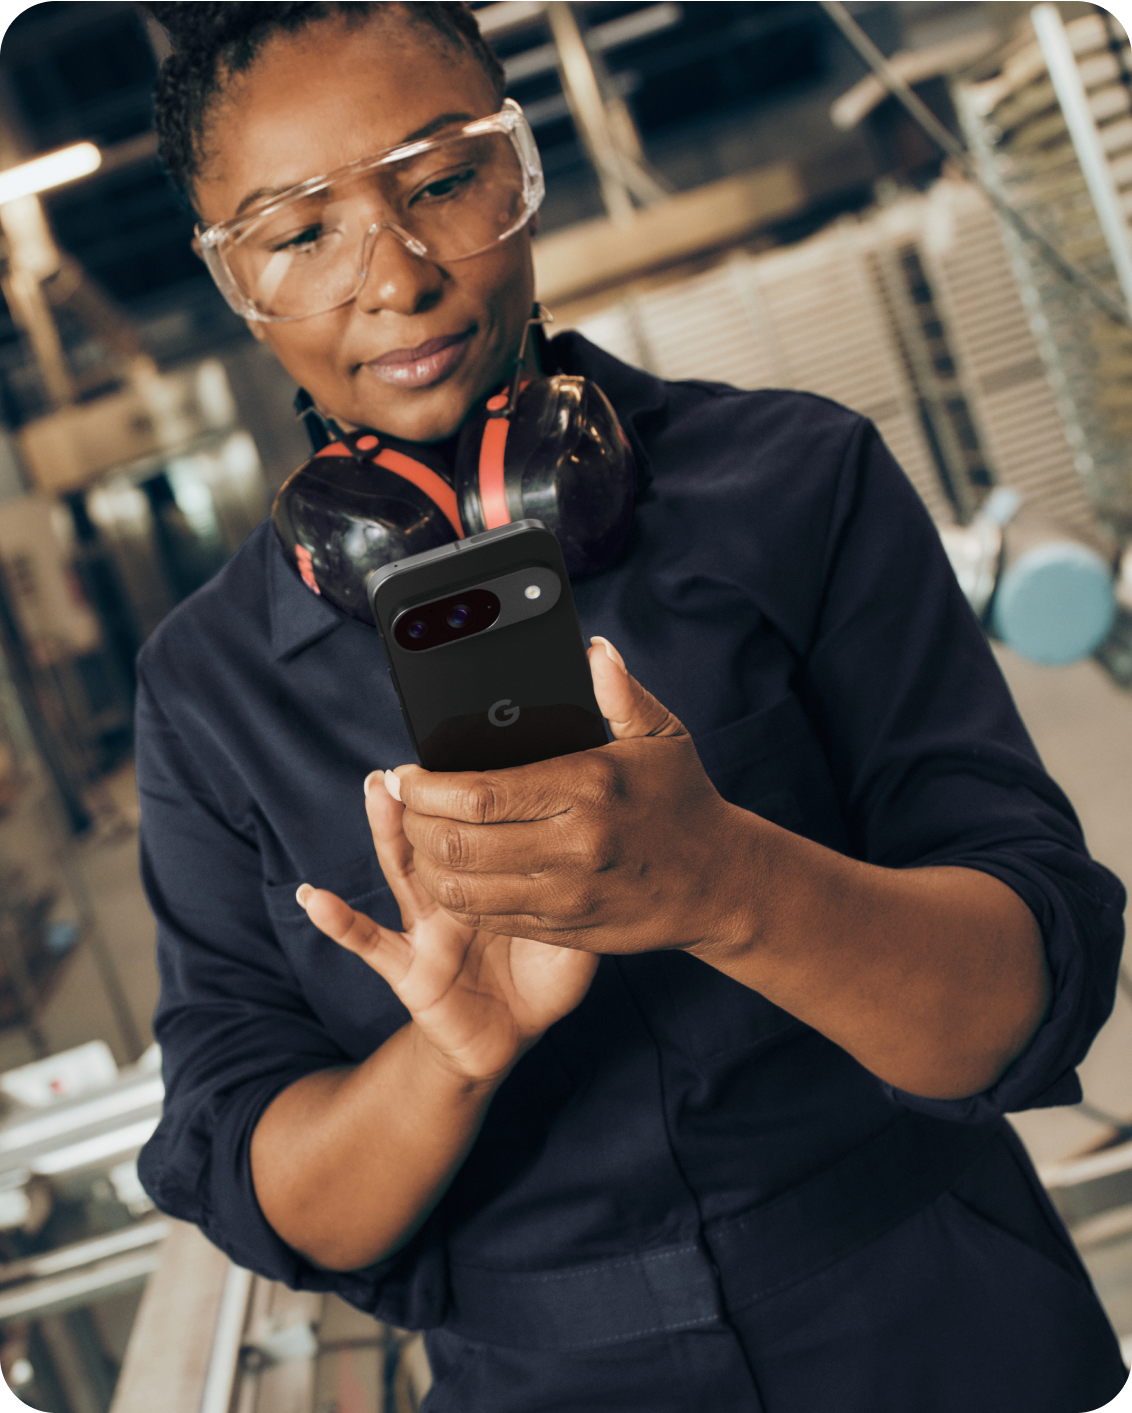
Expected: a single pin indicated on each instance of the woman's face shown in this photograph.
(421, 343)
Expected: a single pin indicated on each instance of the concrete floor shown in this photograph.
(1081, 723)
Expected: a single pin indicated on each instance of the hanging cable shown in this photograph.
(923, 116)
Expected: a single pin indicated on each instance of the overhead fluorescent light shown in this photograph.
(52, 169)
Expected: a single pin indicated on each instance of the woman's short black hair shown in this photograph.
(213, 41)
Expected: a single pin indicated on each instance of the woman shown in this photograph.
(754, 1157)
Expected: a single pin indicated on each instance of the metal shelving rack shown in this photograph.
(1052, 131)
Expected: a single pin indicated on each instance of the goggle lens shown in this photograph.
(311, 253)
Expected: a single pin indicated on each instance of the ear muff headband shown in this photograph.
(434, 486)
(425, 480)
(494, 499)
(493, 480)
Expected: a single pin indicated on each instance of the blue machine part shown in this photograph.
(1055, 604)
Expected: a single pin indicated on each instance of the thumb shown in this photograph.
(629, 709)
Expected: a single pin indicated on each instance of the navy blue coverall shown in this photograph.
(682, 1198)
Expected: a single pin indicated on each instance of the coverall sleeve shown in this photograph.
(934, 765)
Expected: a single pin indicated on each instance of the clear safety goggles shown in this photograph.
(308, 249)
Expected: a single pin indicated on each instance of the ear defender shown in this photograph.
(548, 449)
(560, 457)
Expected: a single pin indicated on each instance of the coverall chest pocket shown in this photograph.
(772, 764)
(356, 1005)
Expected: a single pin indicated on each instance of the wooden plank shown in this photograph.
(167, 1361)
(598, 254)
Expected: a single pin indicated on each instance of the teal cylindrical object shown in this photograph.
(1055, 603)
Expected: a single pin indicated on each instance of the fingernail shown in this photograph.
(302, 893)
(370, 781)
(611, 653)
(393, 785)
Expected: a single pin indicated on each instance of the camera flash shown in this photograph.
(532, 591)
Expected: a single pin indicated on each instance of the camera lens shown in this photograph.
(458, 615)
(418, 628)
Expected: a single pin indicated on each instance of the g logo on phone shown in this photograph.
(503, 718)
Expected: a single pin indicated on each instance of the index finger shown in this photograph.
(521, 794)
(395, 853)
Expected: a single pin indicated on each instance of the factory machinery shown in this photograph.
(139, 497)
(208, 1337)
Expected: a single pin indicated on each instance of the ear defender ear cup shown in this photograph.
(561, 458)
(361, 502)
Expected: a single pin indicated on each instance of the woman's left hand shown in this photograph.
(620, 849)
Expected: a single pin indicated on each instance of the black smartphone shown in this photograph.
(485, 651)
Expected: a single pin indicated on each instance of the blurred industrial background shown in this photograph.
(780, 194)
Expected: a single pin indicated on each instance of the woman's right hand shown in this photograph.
(478, 998)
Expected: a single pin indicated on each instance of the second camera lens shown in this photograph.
(458, 615)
